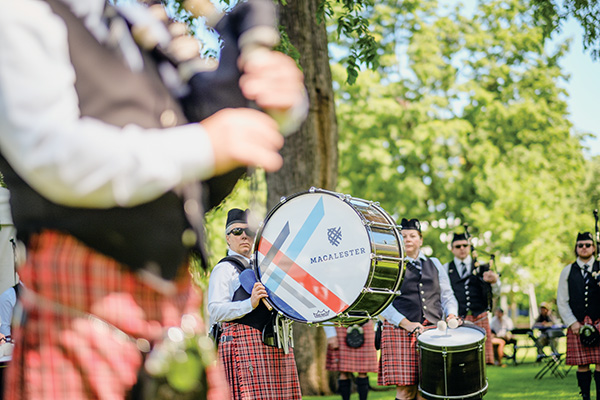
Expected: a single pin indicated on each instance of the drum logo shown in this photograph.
(321, 313)
(334, 235)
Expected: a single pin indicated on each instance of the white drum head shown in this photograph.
(460, 336)
(313, 256)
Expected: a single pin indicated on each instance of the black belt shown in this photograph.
(224, 339)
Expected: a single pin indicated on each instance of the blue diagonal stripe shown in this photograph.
(306, 231)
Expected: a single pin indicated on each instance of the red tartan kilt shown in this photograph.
(483, 321)
(255, 370)
(578, 354)
(349, 359)
(399, 360)
(61, 270)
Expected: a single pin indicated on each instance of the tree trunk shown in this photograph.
(310, 159)
(310, 155)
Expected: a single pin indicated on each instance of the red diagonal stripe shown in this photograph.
(306, 280)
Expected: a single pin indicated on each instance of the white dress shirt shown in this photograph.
(562, 293)
(449, 303)
(223, 282)
(501, 328)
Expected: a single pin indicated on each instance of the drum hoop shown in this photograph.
(461, 397)
(346, 199)
(455, 349)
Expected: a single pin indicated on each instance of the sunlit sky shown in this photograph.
(583, 87)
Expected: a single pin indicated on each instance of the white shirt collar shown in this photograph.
(590, 264)
(233, 253)
(467, 261)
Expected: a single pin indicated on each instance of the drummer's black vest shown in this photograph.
(420, 298)
(471, 292)
(260, 316)
(584, 300)
(147, 236)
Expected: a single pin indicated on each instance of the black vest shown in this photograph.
(260, 316)
(420, 298)
(584, 300)
(147, 236)
(471, 292)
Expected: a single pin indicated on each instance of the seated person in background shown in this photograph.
(544, 322)
(501, 326)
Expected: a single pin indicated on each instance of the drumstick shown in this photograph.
(442, 326)
(453, 323)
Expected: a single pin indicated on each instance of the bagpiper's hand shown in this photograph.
(243, 137)
(272, 80)
(490, 277)
(575, 327)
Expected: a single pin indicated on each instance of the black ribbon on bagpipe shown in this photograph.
(211, 91)
(478, 269)
(596, 265)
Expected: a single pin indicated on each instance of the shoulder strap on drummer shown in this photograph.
(239, 262)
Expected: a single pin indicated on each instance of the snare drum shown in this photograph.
(452, 363)
(328, 257)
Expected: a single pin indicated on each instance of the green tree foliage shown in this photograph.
(472, 127)
(551, 14)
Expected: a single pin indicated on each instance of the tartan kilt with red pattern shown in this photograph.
(349, 359)
(483, 321)
(399, 360)
(254, 370)
(578, 354)
(65, 279)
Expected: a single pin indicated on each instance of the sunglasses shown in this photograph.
(582, 245)
(458, 246)
(238, 232)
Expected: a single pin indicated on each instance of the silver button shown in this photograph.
(168, 118)
(424, 307)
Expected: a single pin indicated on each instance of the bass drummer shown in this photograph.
(426, 298)
(253, 369)
(473, 291)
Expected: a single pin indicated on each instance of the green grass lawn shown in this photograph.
(510, 382)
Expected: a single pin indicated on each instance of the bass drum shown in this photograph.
(452, 363)
(328, 257)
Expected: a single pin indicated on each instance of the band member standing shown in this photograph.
(472, 291)
(254, 370)
(578, 300)
(426, 298)
(104, 172)
(344, 357)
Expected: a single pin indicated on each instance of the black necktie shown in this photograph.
(463, 270)
(417, 265)
(586, 274)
